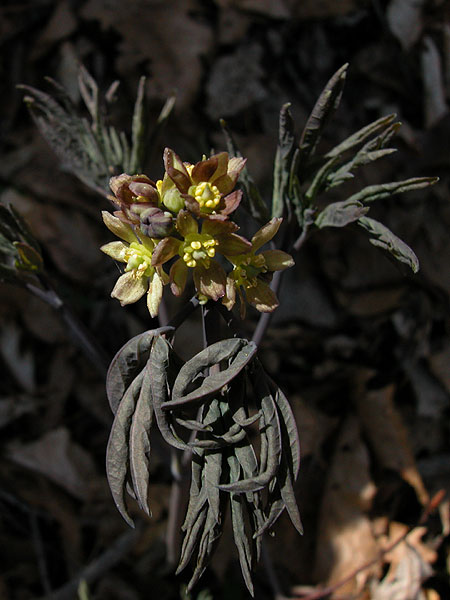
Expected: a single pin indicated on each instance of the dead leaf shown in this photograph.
(388, 437)
(60, 459)
(345, 539)
(409, 565)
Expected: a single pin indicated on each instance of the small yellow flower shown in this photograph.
(205, 188)
(252, 272)
(197, 252)
(140, 275)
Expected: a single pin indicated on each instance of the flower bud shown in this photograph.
(173, 200)
(129, 189)
(154, 222)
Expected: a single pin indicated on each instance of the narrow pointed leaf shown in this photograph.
(340, 214)
(238, 351)
(361, 135)
(140, 443)
(384, 238)
(117, 452)
(158, 365)
(272, 431)
(371, 193)
(322, 112)
(241, 540)
(127, 363)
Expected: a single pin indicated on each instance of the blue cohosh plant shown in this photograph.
(220, 407)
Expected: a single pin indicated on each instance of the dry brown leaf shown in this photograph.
(164, 33)
(409, 565)
(345, 539)
(388, 437)
(60, 459)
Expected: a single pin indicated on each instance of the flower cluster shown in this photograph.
(183, 222)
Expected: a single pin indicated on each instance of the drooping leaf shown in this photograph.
(243, 544)
(289, 428)
(271, 430)
(384, 238)
(275, 506)
(117, 452)
(127, 363)
(212, 530)
(213, 465)
(140, 443)
(322, 112)
(238, 351)
(340, 214)
(158, 364)
(193, 532)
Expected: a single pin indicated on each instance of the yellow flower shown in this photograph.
(204, 188)
(197, 251)
(253, 272)
(140, 275)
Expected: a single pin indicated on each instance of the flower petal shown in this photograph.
(154, 295)
(266, 233)
(211, 168)
(277, 260)
(115, 250)
(214, 227)
(231, 202)
(229, 299)
(165, 250)
(118, 227)
(262, 297)
(232, 244)
(186, 224)
(192, 205)
(226, 182)
(176, 170)
(129, 288)
(211, 281)
(178, 276)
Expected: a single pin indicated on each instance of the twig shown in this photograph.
(97, 567)
(431, 507)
